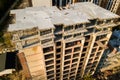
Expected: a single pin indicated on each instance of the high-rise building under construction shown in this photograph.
(63, 44)
(111, 5)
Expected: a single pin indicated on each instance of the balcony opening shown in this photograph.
(58, 78)
(84, 49)
(99, 22)
(49, 56)
(67, 57)
(65, 75)
(73, 73)
(58, 61)
(58, 43)
(74, 60)
(108, 21)
(80, 67)
(89, 64)
(58, 28)
(87, 37)
(86, 43)
(68, 51)
(73, 69)
(94, 50)
(67, 62)
(58, 75)
(58, 50)
(100, 48)
(89, 24)
(58, 70)
(65, 78)
(81, 63)
(79, 70)
(92, 55)
(72, 77)
(67, 28)
(103, 42)
(96, 58)
(98, 54)
(51, 76)
(78, 34)
(49, 62)
(58, 66)
(48, 49)
(70, 44)
(74, 65)
(95, 45)
(68, 36)
(46, 41)
(58, 37)
(45, 32)
(50, 67)
(90, 60)
(78, 76)
(83, 55)
(79, 26)
(76, 55)
(76, 49)
(67, 71)
(81, 59)
(58, 56)
(50, 72)
(101, 37)
(66, 67)
(93, 22)
(90, 30)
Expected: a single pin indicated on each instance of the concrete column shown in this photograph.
(60, 3)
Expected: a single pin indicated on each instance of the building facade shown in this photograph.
(64, 44)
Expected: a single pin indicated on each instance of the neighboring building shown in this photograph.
(111, 57)
(64, 44)
(112, 5)
(112, 63)
(115, 40)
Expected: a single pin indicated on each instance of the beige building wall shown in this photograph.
(36, 3)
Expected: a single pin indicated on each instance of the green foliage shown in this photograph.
(7, 39)
(88, 77)
(13, 76)
(1, 40)
(1, 37)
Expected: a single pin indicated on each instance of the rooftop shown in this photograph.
(47, 17)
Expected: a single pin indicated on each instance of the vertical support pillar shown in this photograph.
(116, 6)
(100, 1)
(60, 3)
(88, 55)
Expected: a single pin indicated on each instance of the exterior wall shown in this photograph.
(32, 61)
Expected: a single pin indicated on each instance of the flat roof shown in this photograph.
(93, 11)
(46, 17)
